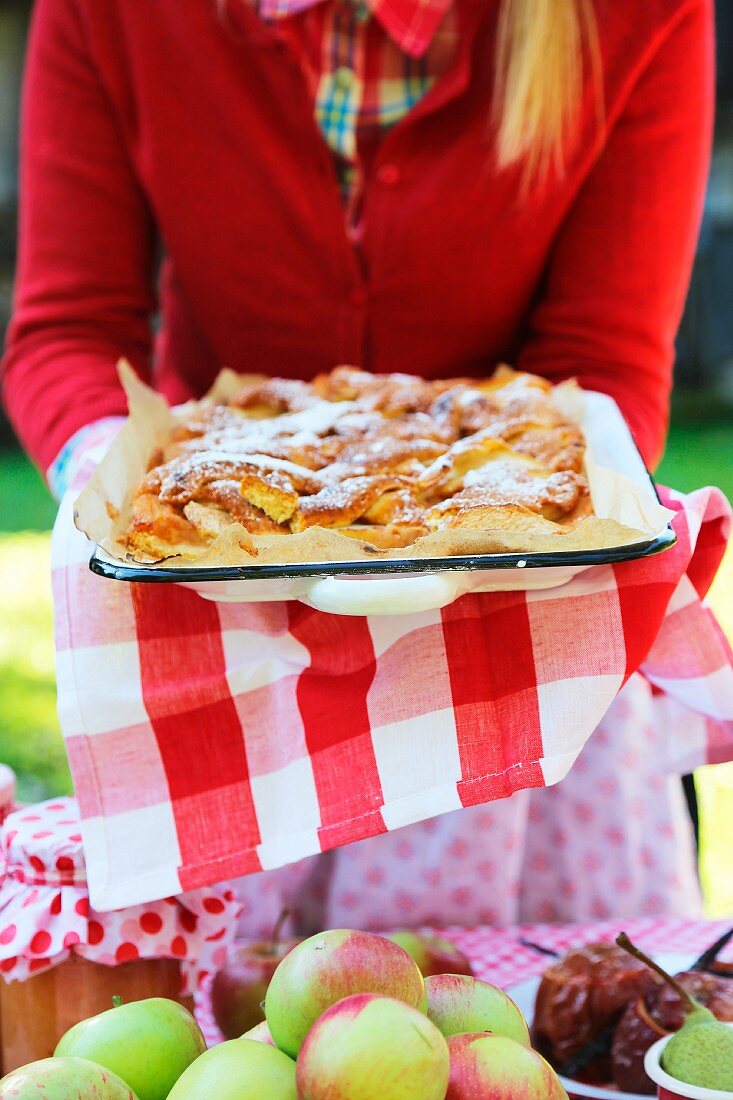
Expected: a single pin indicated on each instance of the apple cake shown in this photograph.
(382, 458)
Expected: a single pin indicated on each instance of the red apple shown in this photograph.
(493, 1067)
(433, 954)
(457, 1003)
(328, 967)
(239, 988)
(260, 1034)
(369, 1047)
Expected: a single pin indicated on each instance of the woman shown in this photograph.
(428, 187)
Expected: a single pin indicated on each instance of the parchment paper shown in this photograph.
(624, 513)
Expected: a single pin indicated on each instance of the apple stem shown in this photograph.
(117, 1001)
(284, 914)
(689, 1002)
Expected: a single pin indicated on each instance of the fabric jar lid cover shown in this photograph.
(42, 845)
(45, 912)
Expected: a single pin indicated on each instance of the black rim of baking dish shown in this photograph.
(160, 574)
(152, 574)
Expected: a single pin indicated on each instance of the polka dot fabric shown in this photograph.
(612, 840)
(45, 912)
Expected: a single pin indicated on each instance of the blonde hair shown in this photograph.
(543, 50)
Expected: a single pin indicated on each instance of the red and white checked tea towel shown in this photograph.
(209, 741)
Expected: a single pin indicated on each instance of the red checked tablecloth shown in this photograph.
(209, 741)
(498, 956)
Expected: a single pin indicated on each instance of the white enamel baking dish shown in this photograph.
(405, 586)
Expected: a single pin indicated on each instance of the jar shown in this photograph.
(35, 1013)
(62, 961)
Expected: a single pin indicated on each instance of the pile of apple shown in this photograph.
(348, 1016)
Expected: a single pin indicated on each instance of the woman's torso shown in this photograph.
(260, 272)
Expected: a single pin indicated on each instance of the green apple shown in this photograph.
(238, 1069)
(458, 1003)
(433, 954)
(328, 967)
(493, 1067)
(368, 1047)
(147, 1043)
(64, 1079)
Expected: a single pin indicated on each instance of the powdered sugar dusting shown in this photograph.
(377, 449)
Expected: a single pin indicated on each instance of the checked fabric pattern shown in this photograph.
(209, 741)
(366, 64)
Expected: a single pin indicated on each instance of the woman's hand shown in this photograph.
(79, 457)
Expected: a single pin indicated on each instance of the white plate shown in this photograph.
(525, 994)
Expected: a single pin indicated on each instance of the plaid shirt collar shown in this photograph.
(411, 24)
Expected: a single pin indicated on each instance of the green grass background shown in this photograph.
(700, 452)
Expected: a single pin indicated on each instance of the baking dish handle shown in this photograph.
(395, 595)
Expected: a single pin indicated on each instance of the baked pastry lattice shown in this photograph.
(382, 458)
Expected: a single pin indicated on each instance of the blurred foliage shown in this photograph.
(715, 797)
(699, 453)
(30, 740)
(27, 504)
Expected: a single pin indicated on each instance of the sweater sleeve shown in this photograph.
(84, 284)
(626, 248)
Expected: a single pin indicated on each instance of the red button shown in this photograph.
(389, 175)
(357, 296)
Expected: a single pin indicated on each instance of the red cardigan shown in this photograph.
(164, 124)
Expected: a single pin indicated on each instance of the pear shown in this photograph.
(701, 1052)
